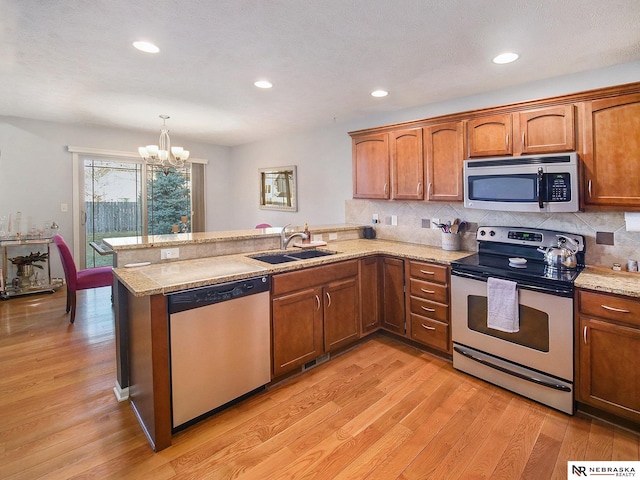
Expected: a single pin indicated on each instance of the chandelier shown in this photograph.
(164, 155)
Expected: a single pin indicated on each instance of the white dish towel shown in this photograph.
(502, 305)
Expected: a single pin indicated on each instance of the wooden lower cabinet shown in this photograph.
(296, 330)
(369, 269)
(608, 353)
(428, 305)
(313, 311)
(393, 308)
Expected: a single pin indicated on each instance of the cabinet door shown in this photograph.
(547, 130)
(340, 313)
(489, 136)
(443, 154)
(297, 330)
(371, 166)
(612, 152)
(407, 171)
(393, 318)
(609, 377)
(370, 299)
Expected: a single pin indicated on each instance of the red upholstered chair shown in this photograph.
(80, 280)
(263, 225)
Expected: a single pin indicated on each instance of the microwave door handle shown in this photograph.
(540, 178)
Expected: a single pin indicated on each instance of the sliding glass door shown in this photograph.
(124, 198)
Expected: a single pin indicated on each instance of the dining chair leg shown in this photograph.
(68, 299)
(73, 306)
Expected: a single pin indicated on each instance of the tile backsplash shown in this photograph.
(410, 216)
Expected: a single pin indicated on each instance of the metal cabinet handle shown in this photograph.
(419, 188)
(427, 272)
(429, 190)
(427, 308)
(385, 188)
(584, 335)
(318, 302)
(427, 291)
(589, 187)
(506, 140)
(328, 299)
(613, 309)
(427, 327)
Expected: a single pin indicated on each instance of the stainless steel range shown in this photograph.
(512, 312)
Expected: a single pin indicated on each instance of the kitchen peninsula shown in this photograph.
(372, 271)
(205, 259)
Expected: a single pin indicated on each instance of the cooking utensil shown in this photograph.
(561, 256)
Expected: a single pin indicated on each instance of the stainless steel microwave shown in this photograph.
(533, 183)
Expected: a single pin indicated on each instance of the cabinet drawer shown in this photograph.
(436, 311)
(429, 291)
(612, 307)
(312, 277)
(428, 272)
(430, 332)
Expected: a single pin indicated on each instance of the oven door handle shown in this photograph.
(482, 277)
(538, 381)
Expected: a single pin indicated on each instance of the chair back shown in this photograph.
(69, 266)
(263, 225)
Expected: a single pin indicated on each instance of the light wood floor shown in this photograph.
(380, 411)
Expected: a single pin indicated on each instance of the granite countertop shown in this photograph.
(167, 277)
(606, 280)
(178, 239)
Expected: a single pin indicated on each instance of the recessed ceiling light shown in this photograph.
(263, 84)
(379, 93)
(506, 58)
(146, 47)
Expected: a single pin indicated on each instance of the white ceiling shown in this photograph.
(72, 61)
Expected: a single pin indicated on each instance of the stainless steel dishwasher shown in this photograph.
(220, 346)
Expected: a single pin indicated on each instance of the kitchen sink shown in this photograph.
(284, 257)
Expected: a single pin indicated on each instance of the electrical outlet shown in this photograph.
(333, 236)
(394, 220)
(169, 253)
(374, 219)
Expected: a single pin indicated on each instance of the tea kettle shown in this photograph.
(561, 256)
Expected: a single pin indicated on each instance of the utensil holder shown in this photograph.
(450, 241)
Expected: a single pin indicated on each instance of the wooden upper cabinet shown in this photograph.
(546, 130)
(407, 168)
(611, 152)
(443, 155)
(490, 136)
(371, 166)
(541, 130)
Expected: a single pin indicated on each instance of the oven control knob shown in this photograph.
(492, 233)
(482, 233)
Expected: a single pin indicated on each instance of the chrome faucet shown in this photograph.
(284, 240)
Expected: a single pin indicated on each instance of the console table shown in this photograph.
(11, 284)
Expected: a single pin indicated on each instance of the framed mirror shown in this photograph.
(278, 188)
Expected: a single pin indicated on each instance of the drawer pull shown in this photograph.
(427, 327)
(427, 272)
(427, 291)
(427, 308)
(613, 309)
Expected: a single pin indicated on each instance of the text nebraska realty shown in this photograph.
(604, 471)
